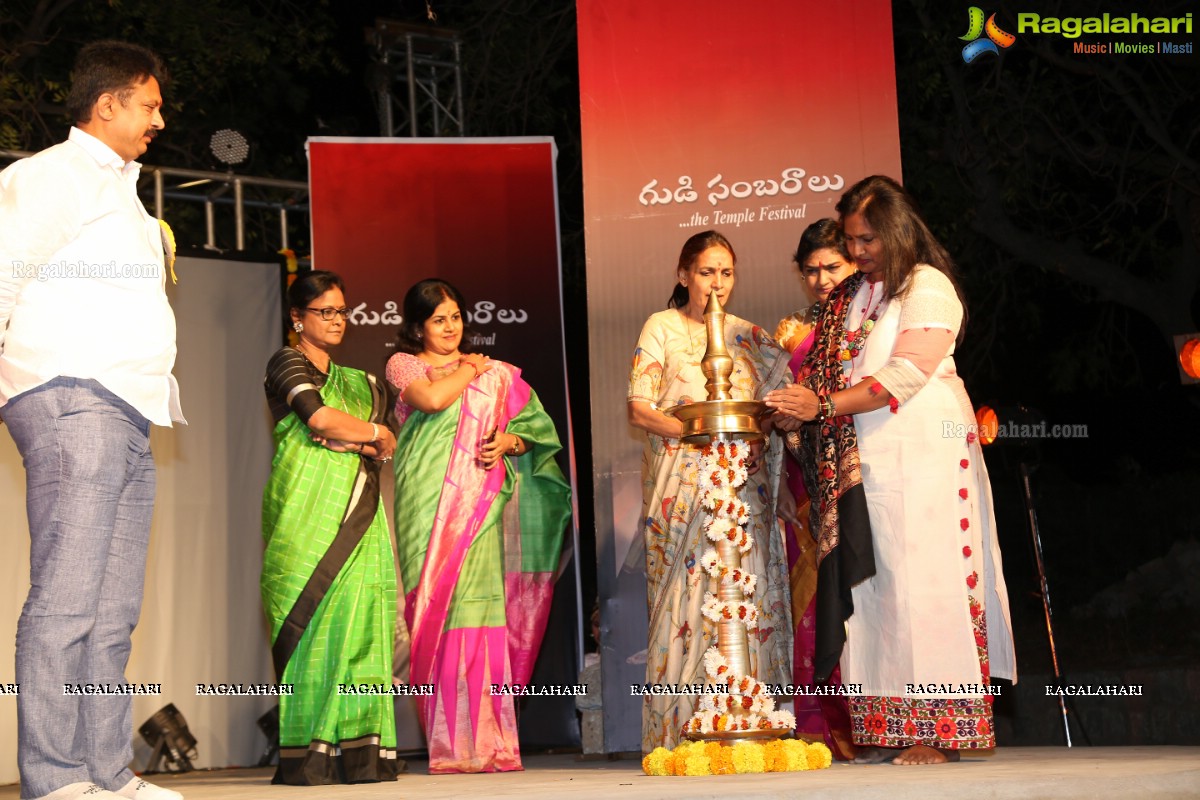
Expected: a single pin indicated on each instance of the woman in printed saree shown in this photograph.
(904, 508)
(328, 577)
(481, 507)
(823, 262)
(666, 372)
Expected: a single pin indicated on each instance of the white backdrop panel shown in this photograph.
(202, 619)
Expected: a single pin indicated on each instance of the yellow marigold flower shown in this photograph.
(748, 757)
(819, 756)
(723, 763)
(774, 757)
(655, 763)
(795, 755)
(168, 242)
(697, 764)
(290, 256)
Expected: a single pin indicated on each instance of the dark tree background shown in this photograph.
(1067, 187)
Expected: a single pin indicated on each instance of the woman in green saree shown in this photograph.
(328, 577)
(481, 507)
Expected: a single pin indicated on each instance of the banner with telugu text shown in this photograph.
(483, 215)
(479, 213)
(748, 118)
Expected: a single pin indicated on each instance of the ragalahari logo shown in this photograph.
(996, 38)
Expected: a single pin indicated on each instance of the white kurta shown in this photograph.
(912, 622)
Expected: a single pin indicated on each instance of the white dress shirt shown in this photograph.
(82, 279)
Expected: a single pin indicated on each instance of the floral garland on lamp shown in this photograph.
(722, 472)
(745, 704)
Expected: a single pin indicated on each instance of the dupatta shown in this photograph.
(829, 457)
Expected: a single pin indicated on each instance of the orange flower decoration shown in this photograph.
(946, 728)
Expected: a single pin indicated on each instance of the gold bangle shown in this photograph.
(516, 446)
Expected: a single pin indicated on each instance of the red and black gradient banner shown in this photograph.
(479, 213)
(750, 118)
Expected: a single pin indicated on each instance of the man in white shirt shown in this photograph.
(87, 343)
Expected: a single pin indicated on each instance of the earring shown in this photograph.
(420, 335)
(298, 326)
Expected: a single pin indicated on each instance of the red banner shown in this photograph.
(750, 118)
(483, 215)
(479, 213)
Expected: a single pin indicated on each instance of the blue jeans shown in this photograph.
(89, 497)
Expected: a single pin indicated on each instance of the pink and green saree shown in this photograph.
(478, 553)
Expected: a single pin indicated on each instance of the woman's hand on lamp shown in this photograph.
(785, 423)
(795, 401)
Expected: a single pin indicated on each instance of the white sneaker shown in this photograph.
(85, 790)
(138, 789)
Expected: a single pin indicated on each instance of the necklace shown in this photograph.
(442, 368)
(690, 324)
(309, 359)
(855, 340)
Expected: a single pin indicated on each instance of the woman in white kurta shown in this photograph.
(930, 627)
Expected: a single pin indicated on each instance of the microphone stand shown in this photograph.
(1045, 591)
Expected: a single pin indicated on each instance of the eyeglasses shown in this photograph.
(329, 313)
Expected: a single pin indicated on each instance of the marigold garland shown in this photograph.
(716, 758)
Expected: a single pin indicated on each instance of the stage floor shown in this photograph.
(1020, 773)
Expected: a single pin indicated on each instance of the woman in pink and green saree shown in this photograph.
(481, 507)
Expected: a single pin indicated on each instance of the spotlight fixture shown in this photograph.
(1187, 349)
(167, 733)
(229, 147)
(1018, 424)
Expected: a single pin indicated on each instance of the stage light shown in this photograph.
(1017, 424)
(167, 734)
(987, 422)
(1187, 348)
(229, 147)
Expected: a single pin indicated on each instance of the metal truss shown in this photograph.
(417, 79)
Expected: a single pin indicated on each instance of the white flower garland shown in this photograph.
(746, 703)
